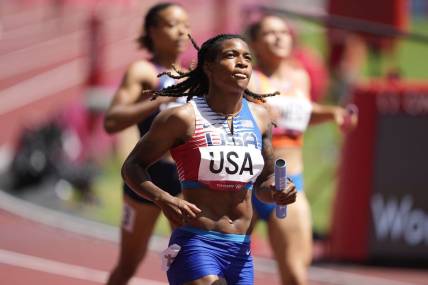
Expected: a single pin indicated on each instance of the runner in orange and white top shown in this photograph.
(292, 111)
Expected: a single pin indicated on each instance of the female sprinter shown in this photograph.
(222, 148)
(165, 37)
(292, 110)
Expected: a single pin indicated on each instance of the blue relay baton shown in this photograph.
(280, 184)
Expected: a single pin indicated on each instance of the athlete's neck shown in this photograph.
(275, 68)
(166, 60)
(224, 103)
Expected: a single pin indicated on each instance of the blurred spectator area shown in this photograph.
(53, 51)
(44, 56)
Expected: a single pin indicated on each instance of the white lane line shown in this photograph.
(43, 85)
(74, 18)
(58, 79)
(66, 46)
(68, 222)
(85, 227)
(36, 56)
(24, 17)
(62, 269)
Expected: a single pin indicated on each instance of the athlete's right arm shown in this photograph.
(170, 128)
(264, 186)
(129, 106)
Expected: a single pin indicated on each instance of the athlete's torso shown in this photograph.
(164, 81)
(218, 165)
(219, 156)
(291, 110)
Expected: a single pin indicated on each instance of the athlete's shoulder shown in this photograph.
(301, 78)
(258, 109)
(142, 71)
(178, 122)
(142, 65)
(299, 70)
(183, 114)
(261, 115)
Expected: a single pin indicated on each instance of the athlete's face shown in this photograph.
(232, 67)
(170, 33)
(273, 40)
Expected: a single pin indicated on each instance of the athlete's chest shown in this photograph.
(231, 147)
(292, 108)
(229, 132)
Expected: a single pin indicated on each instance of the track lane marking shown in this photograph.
(93, 229)
(63, 269)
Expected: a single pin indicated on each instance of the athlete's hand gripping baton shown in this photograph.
(280, 184)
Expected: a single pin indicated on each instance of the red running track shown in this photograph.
(41, 254)
(36, 253)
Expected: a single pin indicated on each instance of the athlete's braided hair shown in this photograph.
(196, 82)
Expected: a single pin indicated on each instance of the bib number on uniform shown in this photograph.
(229, 163)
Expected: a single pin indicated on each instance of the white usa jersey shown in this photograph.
(219, 156)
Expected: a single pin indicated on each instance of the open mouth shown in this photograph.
(240, 75)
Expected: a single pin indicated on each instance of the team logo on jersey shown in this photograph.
(241, 139)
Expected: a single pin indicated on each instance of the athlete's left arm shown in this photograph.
(322, 113)
(265, 183)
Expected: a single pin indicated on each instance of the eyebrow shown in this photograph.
(235, 50)
(172, 22)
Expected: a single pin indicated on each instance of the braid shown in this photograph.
(259, 97)
(195, 45)
(195, 83)
(177, 70)
(169, 73)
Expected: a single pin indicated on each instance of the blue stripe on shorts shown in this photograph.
(211, 253)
